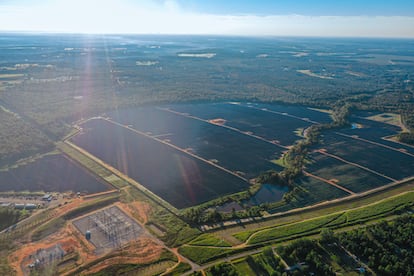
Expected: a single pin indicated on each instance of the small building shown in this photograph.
(19, 206)
(361, 270)
(47, 197)
(30, 206)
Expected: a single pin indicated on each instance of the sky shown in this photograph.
(321, 18)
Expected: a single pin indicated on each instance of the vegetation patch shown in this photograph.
(179, 269)
(201, 254)
(10, 216)
(292, 230)
(209, 240)
(47, 229)
(380, 209)
(387, 247)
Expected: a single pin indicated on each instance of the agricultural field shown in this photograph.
(51, 173)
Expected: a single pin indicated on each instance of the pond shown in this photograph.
(267, 193)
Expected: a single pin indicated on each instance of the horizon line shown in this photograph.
(32, 32)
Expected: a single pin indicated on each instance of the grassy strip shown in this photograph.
(309, 227)
(179, 269)
(122, 269)
(21, 193)
(48, 229)
(381, 209)
(177, 232)
(291, 230)
(317, 211)
(209, 240)
(202, 255)
(155, 268)
(90, 206)
(92, 166)
(340, 220)
(242, 266)
(243, 236)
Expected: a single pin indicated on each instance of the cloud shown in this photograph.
(167, 17)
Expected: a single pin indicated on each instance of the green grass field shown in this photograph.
(291, 230)
(312, 213)
(209, 240)
(47, 229)
(339, 219)
(92, 166)
(179, 269)
(201, 254)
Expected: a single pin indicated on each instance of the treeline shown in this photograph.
(265, 264)
(71, 95)
(9, 216)
(406, 137)
(308, 257)
(199, 215)
(387, 247)
(408, 121)
(19, 139)
(295, 158)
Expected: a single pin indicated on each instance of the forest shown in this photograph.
(51, 87)
(19, 139)
(386, 247)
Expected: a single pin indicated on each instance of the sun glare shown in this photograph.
(168, 17)
(92, 16)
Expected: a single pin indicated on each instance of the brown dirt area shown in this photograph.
(138, 210)
(144, 250)
(67, 237)
(218, 121)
